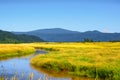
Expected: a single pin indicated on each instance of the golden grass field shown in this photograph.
(99, 60)
(11, 50)
(96, 60)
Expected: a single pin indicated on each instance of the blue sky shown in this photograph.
(76, 15)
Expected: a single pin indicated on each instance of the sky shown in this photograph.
(76, 15)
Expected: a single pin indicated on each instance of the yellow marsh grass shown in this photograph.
(10, 50)
(99, 59)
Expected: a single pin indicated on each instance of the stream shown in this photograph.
(20, 67)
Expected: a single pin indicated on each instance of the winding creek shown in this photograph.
(21, 68)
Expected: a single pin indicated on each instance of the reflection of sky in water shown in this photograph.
(21, 66)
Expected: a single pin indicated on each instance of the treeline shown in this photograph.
(8, 37)
(115, 41)
(91, 40)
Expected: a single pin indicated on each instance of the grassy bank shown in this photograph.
(11, 50)
(97, 60)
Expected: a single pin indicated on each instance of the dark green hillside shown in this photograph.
(8, 37)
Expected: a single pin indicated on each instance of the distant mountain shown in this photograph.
(93, 32)
(49, 31)
(8, 37)
(63, 35)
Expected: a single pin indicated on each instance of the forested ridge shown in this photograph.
(8, 37)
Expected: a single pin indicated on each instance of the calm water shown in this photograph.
(21, 68)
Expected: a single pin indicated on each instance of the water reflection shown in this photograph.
(52, 74)
(21, 69)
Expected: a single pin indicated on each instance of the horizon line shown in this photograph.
(59, 28)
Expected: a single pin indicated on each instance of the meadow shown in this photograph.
(99, 60)
(13, 50)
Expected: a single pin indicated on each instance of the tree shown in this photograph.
(88, 40)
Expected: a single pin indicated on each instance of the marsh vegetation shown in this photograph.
(12, 50)
(97, 60)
